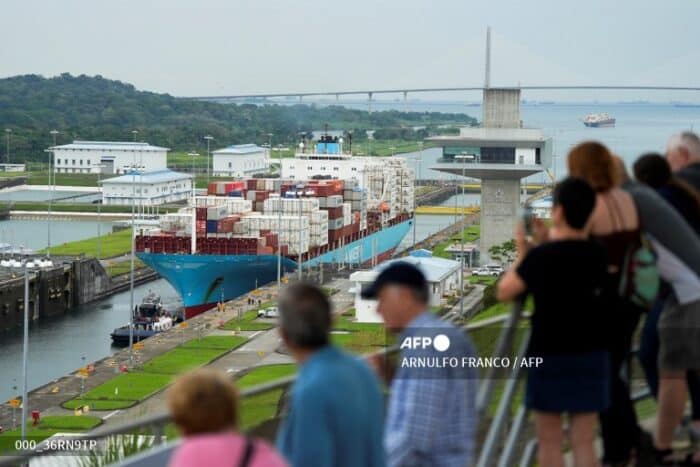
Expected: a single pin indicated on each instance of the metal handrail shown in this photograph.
(161, 419)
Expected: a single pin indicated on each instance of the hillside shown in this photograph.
(84, 107)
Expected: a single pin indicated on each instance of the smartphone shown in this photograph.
(527, 217)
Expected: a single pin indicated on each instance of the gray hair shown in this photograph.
(305, 316)
(686, 140)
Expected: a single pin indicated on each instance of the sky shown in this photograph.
(223, 47)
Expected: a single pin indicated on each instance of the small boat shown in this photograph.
(599, 120)
(150, 318)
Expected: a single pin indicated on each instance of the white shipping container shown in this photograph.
(334, 201)
(217, 212)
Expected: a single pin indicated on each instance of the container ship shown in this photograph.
(327, 207)
(599, 120)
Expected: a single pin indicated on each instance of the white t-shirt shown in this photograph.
(683, 280)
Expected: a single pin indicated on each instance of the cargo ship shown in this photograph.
(599, 120)
(327, 207)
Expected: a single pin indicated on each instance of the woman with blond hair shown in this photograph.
(204, 406)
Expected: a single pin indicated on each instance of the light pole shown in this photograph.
(52, 155)
(300, 187)
(133, 253)
(418, 160)
(194, 183)
(464, 158)
(8, 131)
(208, 138)
(269, 147)
(99, 212)
(25, 266)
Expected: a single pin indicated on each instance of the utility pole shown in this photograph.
(208, 138)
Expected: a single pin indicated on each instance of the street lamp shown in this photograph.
(193, 155)
(25, 266)
(208, 138)
(8, 131)
(418, 160)
(300, 187)
(99, 211)
(463, 157)
(52, 155)
(133, 253)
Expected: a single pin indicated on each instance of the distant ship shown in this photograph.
(599, 120)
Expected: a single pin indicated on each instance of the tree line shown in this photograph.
(96, 108)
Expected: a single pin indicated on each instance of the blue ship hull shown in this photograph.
(203, 280)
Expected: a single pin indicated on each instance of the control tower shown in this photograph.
(500, 153)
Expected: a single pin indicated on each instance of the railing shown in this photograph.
(494, 440)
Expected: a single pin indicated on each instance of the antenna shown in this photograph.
(487, 77)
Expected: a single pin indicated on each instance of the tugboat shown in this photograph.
(150, 318)
(599, 120)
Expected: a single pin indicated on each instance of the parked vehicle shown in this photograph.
(271, 312)
(490, 270)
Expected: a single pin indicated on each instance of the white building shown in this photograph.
(442, 276)
(108, 157)
(240, 160)
(151, 188)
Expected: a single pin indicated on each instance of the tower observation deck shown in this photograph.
(500, 153)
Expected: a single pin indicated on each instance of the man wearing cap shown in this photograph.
(431, 417)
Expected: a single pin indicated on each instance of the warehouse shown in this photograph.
(442, 275)
(240, 160)
(108, 157)
(147, 188)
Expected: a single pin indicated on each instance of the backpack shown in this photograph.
(639, 276)
(639, 281)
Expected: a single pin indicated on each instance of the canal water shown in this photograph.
(60, 345)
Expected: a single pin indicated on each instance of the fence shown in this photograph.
(498, 448)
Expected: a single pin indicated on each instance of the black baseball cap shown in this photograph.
(397, 273)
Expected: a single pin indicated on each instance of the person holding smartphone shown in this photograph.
(566, 275)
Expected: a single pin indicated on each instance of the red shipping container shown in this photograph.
(211, 188)
(261, 195)
(201, 214)
(335, 213)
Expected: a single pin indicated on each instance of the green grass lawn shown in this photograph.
(248, 322)
(360, 338)
(48, 426)
(112, 244)
(127, 389)
(257, 409)
(180, 360)
(263, 374)
(471, 235)
(484, 280)
(215, 342)
(124, 267)
(98, 404)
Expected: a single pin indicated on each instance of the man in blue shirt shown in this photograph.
(431, 418)
(336, 409)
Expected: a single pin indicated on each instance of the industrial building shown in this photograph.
(147, 188)
(442, 275)
(240, 160)
(108, 157)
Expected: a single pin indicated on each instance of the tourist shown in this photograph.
(683, 154)
(431, 419)
(336, 406)
(204, 406)
(567, 277)
(670, 341)
(615, 223)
